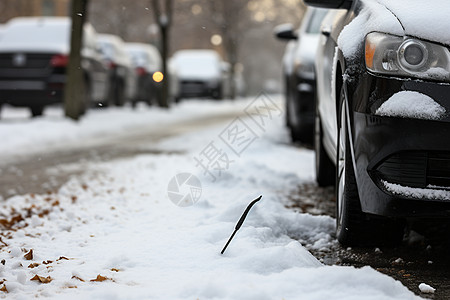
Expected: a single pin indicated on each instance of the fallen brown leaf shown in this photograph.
(3, 289)
(41, 279)
(33, 265)
(100, 278)
(62, 257)
(115, 270)
(78, 278)
(29, 255)
(47, 262)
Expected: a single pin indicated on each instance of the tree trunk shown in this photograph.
(74, 91)
(164, 56)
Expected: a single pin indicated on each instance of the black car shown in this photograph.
(34, 53)
(299, 77)
(383, 127)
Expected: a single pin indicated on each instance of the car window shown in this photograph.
(316, 20)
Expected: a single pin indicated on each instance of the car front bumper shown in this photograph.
(32, 91)
(402, 164)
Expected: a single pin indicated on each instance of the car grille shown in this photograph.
(420, 169)
(192, 87)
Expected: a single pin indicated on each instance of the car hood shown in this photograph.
(426, 19)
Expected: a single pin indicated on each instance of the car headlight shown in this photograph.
(405, 56)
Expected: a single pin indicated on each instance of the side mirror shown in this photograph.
(285, 32)
(331, 4)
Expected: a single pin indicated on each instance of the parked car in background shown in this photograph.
(121, 71)
(146, 60)
(34, 54)
(383, 114)
(199, 73)
(299, 76)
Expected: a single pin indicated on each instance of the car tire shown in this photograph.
(36, 110)
(119, 94)
(353, 226)
(325, 168)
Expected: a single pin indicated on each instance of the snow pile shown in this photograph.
(112, 233)
(425, 288)
(410, 104)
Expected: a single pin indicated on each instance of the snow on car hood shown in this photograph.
(423, 19)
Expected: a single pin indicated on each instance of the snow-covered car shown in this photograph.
(199, 73)
(298, 71)
(34, 53)
(383, 80)
(147, 61)
(122, 74)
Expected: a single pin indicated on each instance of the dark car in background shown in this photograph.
(199, 73)
(34, 54)
(122, 74)
(298, 71)
(383, 117)
(147, 62)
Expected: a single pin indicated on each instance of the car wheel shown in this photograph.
(353, 226)
(119, 94)
(36, 110)
(286, 103)
(325, 169)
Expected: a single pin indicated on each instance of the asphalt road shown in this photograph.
(418, 259)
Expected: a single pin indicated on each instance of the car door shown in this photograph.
(325, 64)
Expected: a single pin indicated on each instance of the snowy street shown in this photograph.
(99, 223)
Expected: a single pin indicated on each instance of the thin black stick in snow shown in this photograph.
(240, 222)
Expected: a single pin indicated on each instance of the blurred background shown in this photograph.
(239, 30)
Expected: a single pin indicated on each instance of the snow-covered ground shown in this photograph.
(114, 233)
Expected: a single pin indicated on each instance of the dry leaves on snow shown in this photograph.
(29, 255)
(100, 278)
(42, 279)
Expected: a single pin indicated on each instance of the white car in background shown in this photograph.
(199, 73)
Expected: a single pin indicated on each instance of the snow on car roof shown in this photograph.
(36, 34)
